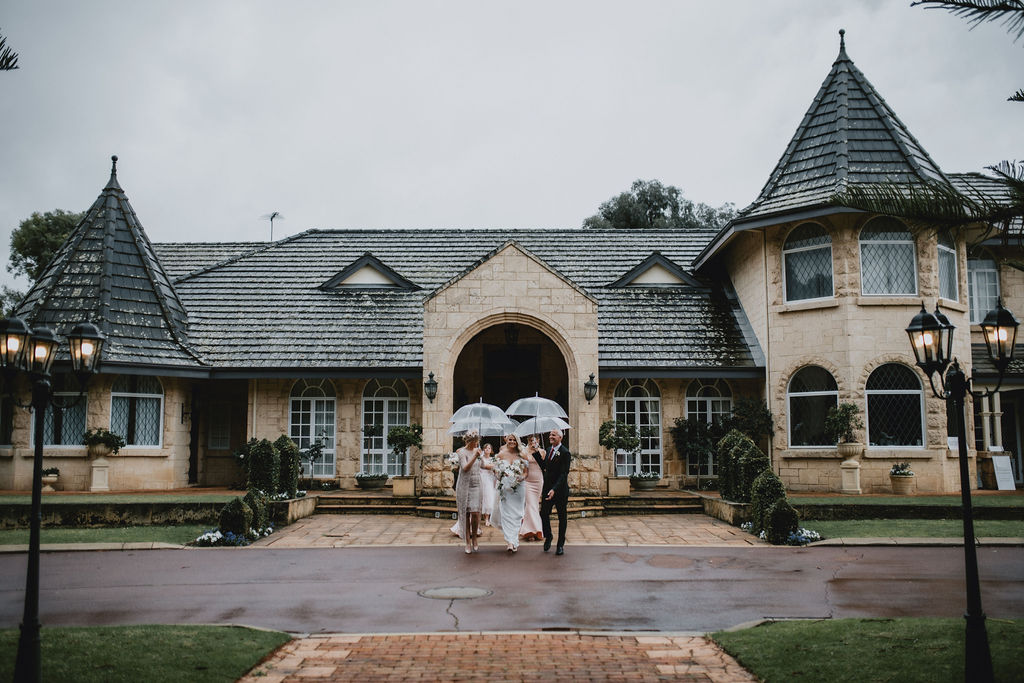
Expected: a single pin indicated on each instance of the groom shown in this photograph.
(555, 465)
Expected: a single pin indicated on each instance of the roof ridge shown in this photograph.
(238, 257)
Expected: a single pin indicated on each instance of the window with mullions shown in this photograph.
(807, 263)
(888, 263)
(982, 287)
(64, 426)
(811, 393)
(385, 405)
(711, 402)
(137, 410)
(638, 403)
(311, 417)
(895, 416)
(948, 274)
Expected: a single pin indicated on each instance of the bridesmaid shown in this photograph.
(487, 484)
(468, 489)
(532, 529)
(512, 501)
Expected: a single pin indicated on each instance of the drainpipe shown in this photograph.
(767, 340)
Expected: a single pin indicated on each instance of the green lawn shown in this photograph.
(119, 498)
(1003, 500)
(114, 654)
(861, 650)
(920, 528)
(129, 534)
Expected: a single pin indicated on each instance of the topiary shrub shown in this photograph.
(236, 517)
(751, 463)
(264, 465)
(291, 464)
(766, 489)
(258, 503)
(728, 466)
(781, 522)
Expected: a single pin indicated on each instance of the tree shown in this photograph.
(8, 57)
(649, 204)
(37, 239)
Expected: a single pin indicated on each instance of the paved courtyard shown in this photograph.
(337, 531)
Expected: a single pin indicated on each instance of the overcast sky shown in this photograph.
(475, 114)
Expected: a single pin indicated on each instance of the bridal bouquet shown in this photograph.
(452, 459)
(509, 475)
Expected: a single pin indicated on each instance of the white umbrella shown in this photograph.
(535, 406)
(484, 427)
(482, 411)
(540, 425)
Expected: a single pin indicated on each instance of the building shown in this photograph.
(332, 334)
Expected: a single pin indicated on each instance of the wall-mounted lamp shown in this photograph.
(590, 388)
(430, 387)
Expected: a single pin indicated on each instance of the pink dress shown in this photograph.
(534, 483)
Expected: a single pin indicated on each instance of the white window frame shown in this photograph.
(868, 393)
(130, 395)
(787, 252)
(908, 241)
(375, 454)
(949, 251)
(627, 409)
(805, 394)
(315, 391)
(699, 403)
(987, 265)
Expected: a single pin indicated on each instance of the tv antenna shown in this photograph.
(271, 216)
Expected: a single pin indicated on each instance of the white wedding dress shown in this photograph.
(512, 505)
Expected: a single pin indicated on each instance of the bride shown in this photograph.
(510, 471)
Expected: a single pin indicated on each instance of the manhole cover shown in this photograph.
(454, 593)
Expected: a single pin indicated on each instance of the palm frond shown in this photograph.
(935, 205)
(8, 57)
(1016, 97)
(976, 12)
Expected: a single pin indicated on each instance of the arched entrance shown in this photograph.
(508, 361)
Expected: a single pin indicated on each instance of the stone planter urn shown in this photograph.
(643, 484)
(902, 484)
(371, 484)
(49, 480)
(850, 449)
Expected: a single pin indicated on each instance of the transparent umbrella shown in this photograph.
(535, 406)
(481, 410)
(484, 427)
(540, 425)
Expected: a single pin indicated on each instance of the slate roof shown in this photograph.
(107, 272)
(848, 135)
(266, 309)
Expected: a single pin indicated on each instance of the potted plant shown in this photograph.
(50, 476)
(102, 442)
(902, 478)
(644, 480)
(840, 423)
(368, 480)
(618, 436)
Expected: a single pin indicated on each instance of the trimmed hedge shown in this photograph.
(782, 521)
(264, 465)
(236, 517)
(766, 490)
(740, 461)
(726, 468)
(290, 465)
(258, 503)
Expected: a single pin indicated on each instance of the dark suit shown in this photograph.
(556, 478)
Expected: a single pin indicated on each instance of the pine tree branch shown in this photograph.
(8, 57)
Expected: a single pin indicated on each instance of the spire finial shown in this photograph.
(113, 166)
(842, 39)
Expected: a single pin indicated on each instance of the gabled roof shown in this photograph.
(374, 264)
(652, 263)
(108, 273)
(848, 135)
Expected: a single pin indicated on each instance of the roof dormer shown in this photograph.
(656, 271)
(368, 272)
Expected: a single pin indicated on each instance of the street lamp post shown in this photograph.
(30, 353)
(931, 338)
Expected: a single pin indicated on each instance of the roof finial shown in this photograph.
(842, 39)
(113, 166)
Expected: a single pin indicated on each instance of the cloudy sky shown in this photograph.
(380, 114)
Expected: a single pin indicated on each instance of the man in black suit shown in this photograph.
(555, 465)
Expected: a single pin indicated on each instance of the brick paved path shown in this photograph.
(336, 531)
(499, 657)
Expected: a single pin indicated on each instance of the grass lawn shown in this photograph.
(111, 654)
(118, 498)
(979, 500)
(910, 528)
(129, 534)
(904, 650)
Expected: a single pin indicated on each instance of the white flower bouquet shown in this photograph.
(452, 459)
(509, 475)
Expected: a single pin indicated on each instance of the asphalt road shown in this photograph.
(376, 590)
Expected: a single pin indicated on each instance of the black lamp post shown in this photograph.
(931, 338)
(590, 389)
(31, 353)
(430, 388)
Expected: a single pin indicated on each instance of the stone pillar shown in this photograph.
(100, 475)
(850, 470)
(997, 423)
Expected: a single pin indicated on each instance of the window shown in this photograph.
(811, 393)
(807, 263)
(887, 261)
(710, 401)
(385, 405)
(948, 279)
(219, 437)
(312, 418)
(137, 410)
(895, 407)
(64, 426)
(982, 287)
(638, 403)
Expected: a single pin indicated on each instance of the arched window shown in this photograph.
(895, 407)
(807, 263)
(948, 274)
(137, 410)
(385, 405)
(64, 426)
(812, 391)
(311, 418)
(982, 286)
(638, 403)
(710, 401)
(888, 264)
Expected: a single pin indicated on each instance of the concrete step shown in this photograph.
(655, 510)
(376, 509)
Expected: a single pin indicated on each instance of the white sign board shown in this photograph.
(1004, 475)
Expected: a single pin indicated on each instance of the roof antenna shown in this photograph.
(271, 216)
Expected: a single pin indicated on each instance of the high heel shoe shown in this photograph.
(476, 547)
(468, 551)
